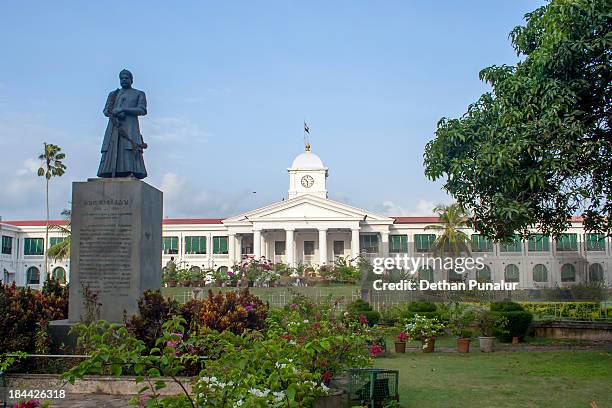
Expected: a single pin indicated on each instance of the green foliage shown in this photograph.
(506, 306)
(421, 327)
(420, 307)
(450, 240)
(567, 310)
(537, 149)
(233, 311)
(490, 323)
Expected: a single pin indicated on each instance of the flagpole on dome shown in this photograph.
(306, 141)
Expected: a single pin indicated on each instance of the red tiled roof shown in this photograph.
(34, 223)
(409, 220)
(179, 221)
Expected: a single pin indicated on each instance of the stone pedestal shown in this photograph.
(116, 245)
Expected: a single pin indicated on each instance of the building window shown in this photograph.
(539, 243)
(53, 241)
(33, 246)
(480, 243)
(511, 273)
(484, 274)
(426, 273)
(567, 242)
(568, 273)
(398, 244)
(7, 245)
(514, 245)
(308, 247)
(195, 245)
(33, 276)
(170, 245)
(195, 269)
(596, 272)
(220, 245)
(368, 243)
(59, 274)
(540, 273)
(596, 242)
(279, 247)
(424, 242)
(338, 248)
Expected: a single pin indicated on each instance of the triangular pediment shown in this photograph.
(307, 207)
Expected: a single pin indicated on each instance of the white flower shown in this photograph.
(239, 403)
(325, 388)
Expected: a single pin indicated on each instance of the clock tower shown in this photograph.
(307, 175)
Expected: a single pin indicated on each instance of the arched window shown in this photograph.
(426, 273)
(33, 276)
(195, 268)
(568, 273)
(484, 274)
(596, 272)
(223, 269)
(511, 273)
(540, 273)
(59, 274)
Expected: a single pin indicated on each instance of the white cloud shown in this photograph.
(173, 130)
(423, 208)
(30, 166)
(182, 198)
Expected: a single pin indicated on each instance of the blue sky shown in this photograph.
(228, 86)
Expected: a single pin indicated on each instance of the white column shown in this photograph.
(209, 246)
(257, 243)
(289, 247)
(354, 243)
(323, 246)
(384, 243)
(231, 249)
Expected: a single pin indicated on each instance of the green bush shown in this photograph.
(422, 306)
(506, 306)
(519, 319)
(567, 310)
(361, 307)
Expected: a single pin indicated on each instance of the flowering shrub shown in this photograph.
(233, 311)
(24, 311)
(153, 310)
(401, 337)
(421, 327)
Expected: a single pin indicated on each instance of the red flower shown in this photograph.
(363, 320)
(376, 350)
(326, 377)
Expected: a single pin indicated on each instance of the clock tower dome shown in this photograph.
(307, 175)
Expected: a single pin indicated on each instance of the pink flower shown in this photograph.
(402, 336)
(142, 401)
(249, 308)
(376, 350)
(363, 320)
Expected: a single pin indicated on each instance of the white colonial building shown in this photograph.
(309, 228)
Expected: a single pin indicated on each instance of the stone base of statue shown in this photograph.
(116, 246)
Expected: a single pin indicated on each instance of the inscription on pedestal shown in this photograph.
(116, 244)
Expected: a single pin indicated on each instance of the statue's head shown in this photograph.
(126, 78)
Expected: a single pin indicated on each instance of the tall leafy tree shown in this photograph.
(537, 149)
(51, 166)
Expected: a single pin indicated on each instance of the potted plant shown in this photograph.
(461, 317)
(489, 324)
(426, 329)
(400, 342)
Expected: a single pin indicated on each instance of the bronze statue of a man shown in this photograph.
(123, 145)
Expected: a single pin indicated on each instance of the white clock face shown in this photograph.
(307, 181)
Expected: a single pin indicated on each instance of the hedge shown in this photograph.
(519, 319)
(567, 310)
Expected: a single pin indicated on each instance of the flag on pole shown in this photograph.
(306, 128)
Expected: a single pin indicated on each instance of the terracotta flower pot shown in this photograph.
(400, 346)
(515, 340)
(428, 344)
(463, 344)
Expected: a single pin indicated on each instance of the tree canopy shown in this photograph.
(537, 149)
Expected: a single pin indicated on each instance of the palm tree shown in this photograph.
(451, 241)
(61, 250)
(51, 166)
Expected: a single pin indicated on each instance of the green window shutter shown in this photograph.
(398, 243)
(188, 245)
(480, 243)
(170, 245)
(512, 246)
(33, 246)
(224, 245)
(568, 273)
(219, 245)
(596, 242)
(567, 242)
(484, 274)
(539, 243)
(424, 242)
(215, 245)
(202, 244)
(540, 273)
(511, 273)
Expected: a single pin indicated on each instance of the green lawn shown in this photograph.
(519, 379)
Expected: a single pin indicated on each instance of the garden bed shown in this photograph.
(567, 329)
